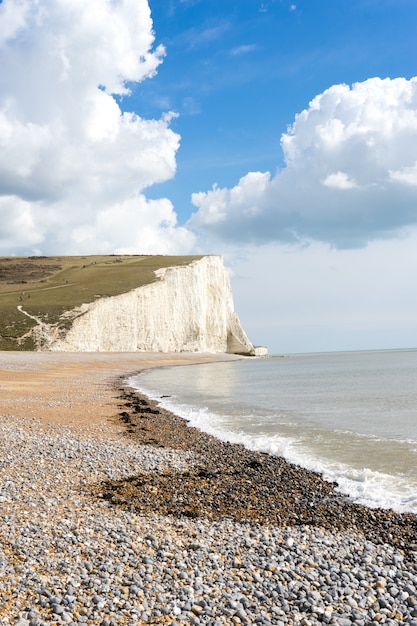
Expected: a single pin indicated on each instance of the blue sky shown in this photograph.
(282, 135)
(237, 72)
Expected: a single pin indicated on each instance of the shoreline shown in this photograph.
(73, 553)
(65, 387)
(243, 485)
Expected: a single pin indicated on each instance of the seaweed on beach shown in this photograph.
(228, 481)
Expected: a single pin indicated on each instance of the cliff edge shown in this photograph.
(189, 308)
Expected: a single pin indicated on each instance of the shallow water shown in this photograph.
(351, 416)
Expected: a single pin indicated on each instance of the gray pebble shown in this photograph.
(86, 561)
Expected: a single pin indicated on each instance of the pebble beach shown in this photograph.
(113, 511)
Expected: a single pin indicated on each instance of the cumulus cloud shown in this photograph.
(405, 175)
(73, 166)
(340, 180)
(350, 173)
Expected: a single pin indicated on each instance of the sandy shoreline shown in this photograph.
(74, 388)
(113, 511)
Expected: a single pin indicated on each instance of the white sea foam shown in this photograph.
(330, 426)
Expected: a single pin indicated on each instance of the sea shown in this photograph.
(351, 416)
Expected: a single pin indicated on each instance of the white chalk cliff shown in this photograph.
(189, 308)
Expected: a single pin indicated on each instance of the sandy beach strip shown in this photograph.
(73, 388)
(113, 511)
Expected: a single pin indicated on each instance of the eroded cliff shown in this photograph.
(188, 308)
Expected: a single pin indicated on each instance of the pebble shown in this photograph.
(69, 557)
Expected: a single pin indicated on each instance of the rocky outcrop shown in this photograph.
(189, 308)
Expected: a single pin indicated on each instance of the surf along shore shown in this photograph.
(114, 511)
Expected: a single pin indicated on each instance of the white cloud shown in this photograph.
(137, 224)
(244, 49)
(349, 177)
(17, 222)
(13, 17)
(339, 180)
(406, 175)
(196, 37)
(69, 157)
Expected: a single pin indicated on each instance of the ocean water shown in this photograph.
(350, 416)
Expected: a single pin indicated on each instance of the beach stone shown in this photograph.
(131, 560)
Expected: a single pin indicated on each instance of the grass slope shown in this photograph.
(47, 287)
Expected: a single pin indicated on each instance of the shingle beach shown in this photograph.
(113, 511)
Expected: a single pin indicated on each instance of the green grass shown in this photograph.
(47, 287)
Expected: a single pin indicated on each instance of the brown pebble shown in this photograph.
(229, 481)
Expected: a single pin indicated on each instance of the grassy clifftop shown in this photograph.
(47, 287)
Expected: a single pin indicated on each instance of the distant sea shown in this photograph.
(351, 416)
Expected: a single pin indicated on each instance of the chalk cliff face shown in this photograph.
(188, 309)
